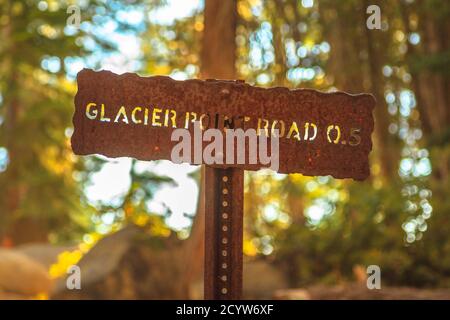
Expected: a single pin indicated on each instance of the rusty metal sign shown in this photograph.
(128, 115)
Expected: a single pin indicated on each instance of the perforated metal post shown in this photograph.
(223, 233)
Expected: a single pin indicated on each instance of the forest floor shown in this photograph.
(356, 291)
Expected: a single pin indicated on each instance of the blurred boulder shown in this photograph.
(130, 264)
(20, 274)
(44, 253)
(261, 279)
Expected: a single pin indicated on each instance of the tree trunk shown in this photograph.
(218, 45)
(356, 67)
(14, 227)
(430, 81)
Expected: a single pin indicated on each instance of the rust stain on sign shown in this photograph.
(127, 115)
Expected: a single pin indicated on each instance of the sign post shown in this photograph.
(223, 233)
(318, 133)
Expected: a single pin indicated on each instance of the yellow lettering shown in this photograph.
(102, 114)
(133, 115)
(172, 118)
(282, 129)
(291, 131)
(228, 123)
(122, 112)
(265, 127)
(146, 116)
(194, 118)
(338, 133)
(94, 113)
(156, 117)
(314, 128)
(203, 116)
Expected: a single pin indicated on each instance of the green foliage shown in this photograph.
(37, 183)
(43, 182)
(399, 221)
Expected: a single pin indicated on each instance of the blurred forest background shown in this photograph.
(300, 232)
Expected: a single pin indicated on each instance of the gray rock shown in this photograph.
(22, 275)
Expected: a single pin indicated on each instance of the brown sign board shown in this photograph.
(128, 115)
